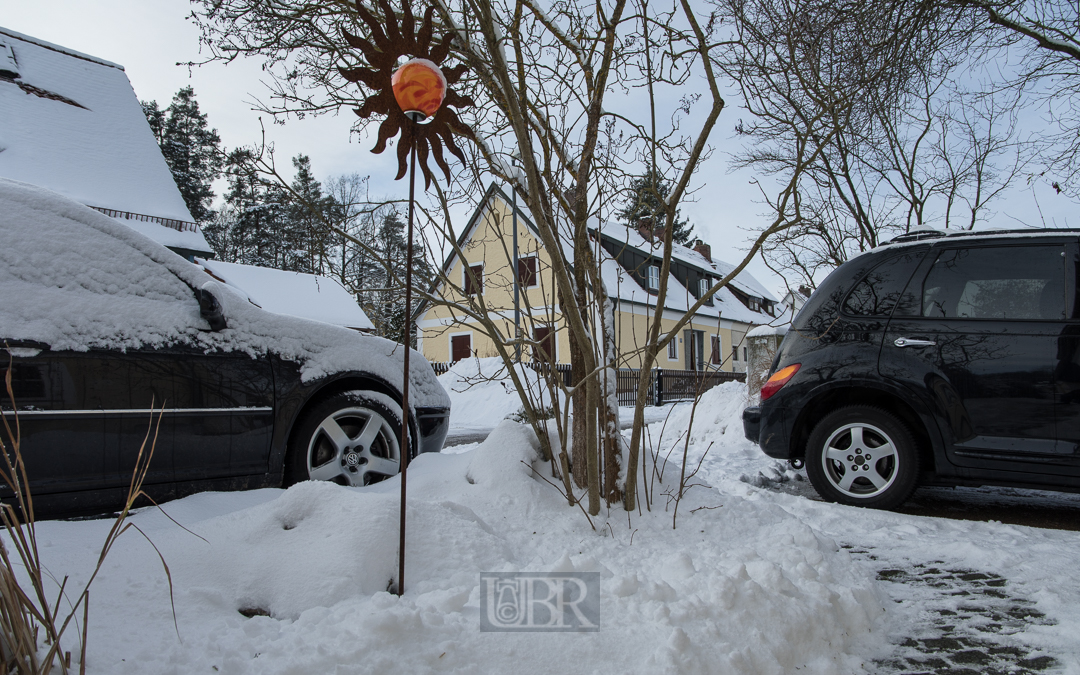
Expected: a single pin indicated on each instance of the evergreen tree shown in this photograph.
(307, 235)
(250, 227)
(191, 149)
(156, 117)
(644, 206)
(385, 305)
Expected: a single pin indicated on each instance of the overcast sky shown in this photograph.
(148, 37)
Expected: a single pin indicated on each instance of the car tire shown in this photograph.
(351, 438)
(862, 456)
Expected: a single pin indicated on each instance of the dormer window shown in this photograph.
(653, 278)
(754, 304)
(703, 287)
(9, 67)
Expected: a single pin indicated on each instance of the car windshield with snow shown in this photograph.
(106, 331)
(934, 360)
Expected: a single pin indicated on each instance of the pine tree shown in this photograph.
(644, 206)
(156, 117)
(385, 305)
(307, 235)
(191, 149)
(250, 227)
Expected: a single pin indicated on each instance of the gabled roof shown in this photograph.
(625, 236)
(622, 285)
(308, 296)
(72, 123)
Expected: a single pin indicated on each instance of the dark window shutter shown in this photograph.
(527, 271)
(474, 283)
(460, 347)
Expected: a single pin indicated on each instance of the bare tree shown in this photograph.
(909, 142)
(558, 88)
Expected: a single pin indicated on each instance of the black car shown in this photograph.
(105, 329)
(933, 360)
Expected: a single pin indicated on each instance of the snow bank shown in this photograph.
(717, 435)
(739, 587)
(77, 280)
(482, 393)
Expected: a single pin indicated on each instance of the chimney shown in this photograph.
(704, 249)
(805, 290)
(647, 231)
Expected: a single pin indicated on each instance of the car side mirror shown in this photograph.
(210, 309)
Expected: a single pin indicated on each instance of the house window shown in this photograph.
(474, 280)
(703, 287)
(460, 347)
(754, 304)
(734, 353)
(527, 271)
(544, 349)
(673, 349)
(654, 278)
(694, 341)
(744, 357)
(716, 346)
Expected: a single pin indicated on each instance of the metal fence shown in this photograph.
(664, 384)
(179, 225)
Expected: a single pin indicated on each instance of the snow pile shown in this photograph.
(76, 280)
(716, 434)
(740, 587)
(482, 392)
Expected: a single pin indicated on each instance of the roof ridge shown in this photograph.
(57, 48)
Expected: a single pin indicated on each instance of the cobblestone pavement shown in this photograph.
(969, 622)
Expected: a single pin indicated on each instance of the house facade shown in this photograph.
(481, 280)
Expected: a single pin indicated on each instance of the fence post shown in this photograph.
(658, 386)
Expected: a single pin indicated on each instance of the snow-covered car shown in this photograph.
(105, 330)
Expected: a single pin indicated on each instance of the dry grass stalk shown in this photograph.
(27, 613)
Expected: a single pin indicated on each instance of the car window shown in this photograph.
(882, 290)
(1007, 282)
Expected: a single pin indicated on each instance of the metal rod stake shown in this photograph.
(405, 379)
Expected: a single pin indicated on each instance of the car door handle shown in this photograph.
(913, 342)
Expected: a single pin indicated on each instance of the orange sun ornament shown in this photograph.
(420, 85)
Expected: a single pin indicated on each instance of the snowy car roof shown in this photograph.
(75, 279)
(72, 123)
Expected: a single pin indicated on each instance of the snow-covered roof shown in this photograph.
(308, 296)
(620, 284)
(744, 281)
(72, 123)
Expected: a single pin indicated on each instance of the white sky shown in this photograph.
(148, 37)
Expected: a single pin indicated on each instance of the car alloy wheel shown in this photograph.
(350, 439)
(860, 460)
(863, 456)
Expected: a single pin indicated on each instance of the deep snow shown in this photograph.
(754, 581)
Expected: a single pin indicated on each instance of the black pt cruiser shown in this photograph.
(933, 360)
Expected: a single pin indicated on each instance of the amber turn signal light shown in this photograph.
(778, 380)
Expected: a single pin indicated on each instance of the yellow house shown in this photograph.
(483, 279)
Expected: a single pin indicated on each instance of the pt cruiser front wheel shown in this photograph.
(862, 456)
